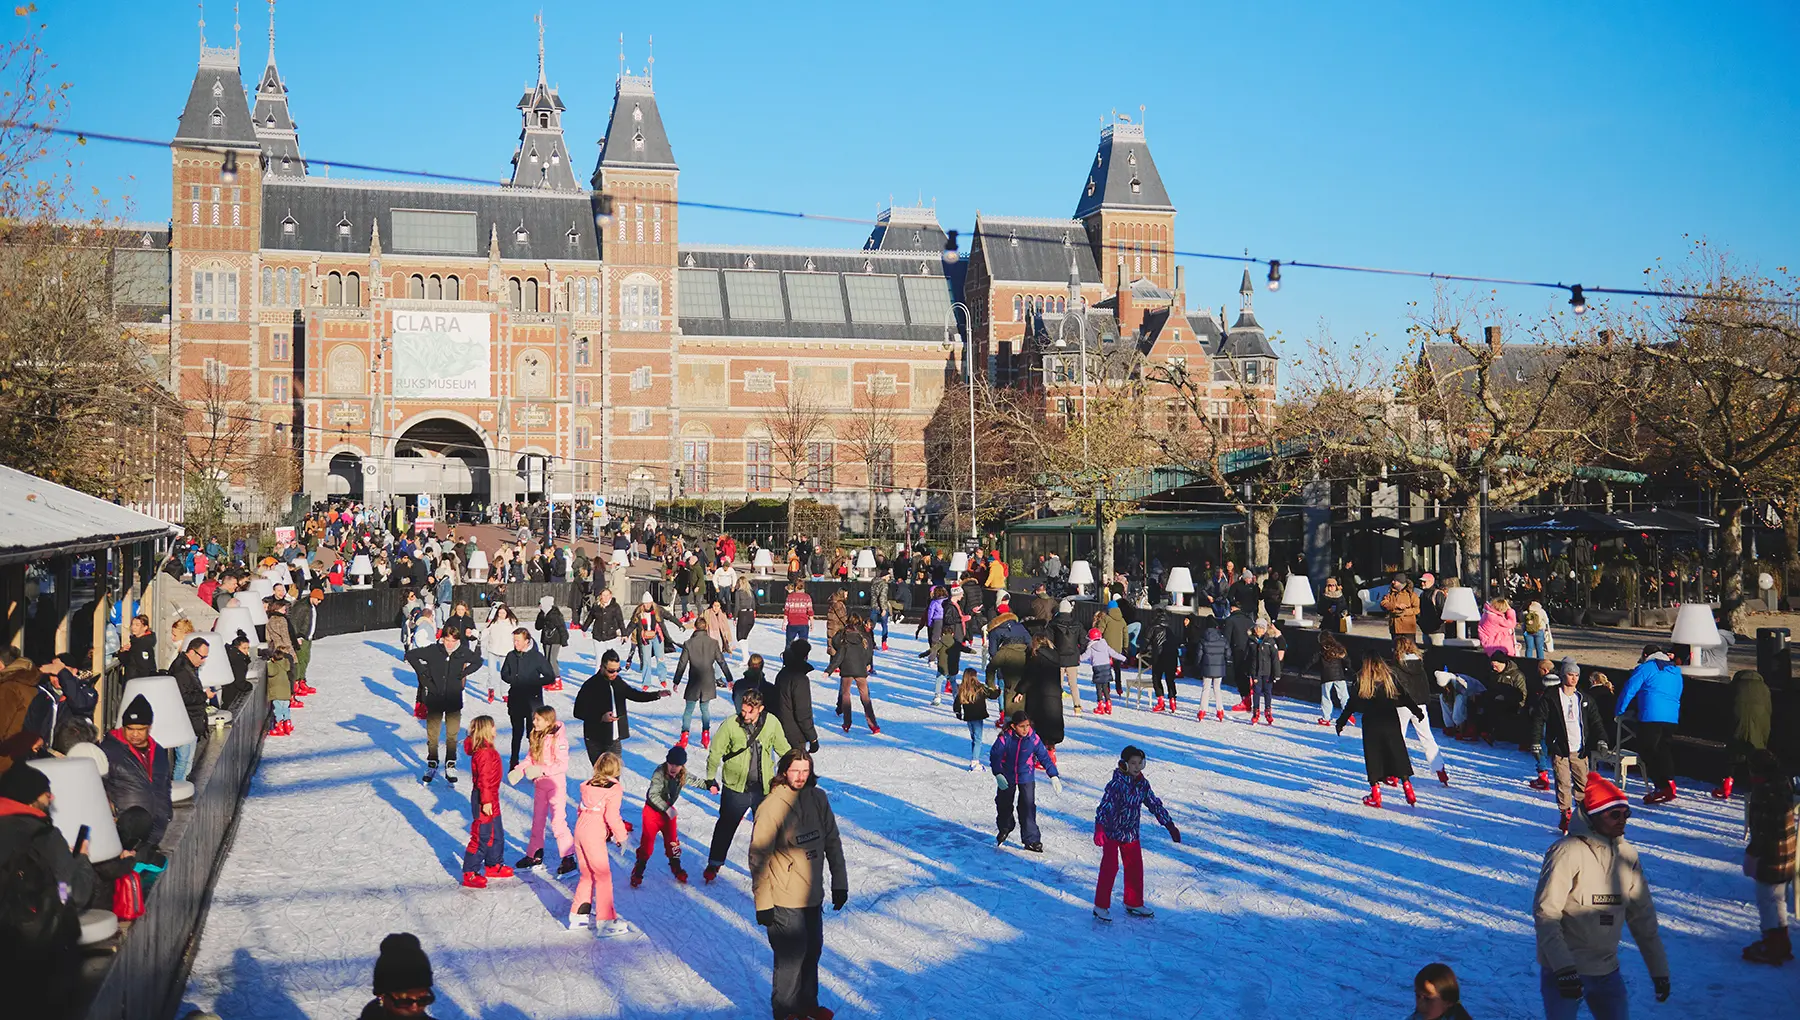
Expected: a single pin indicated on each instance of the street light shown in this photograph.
(953, 338)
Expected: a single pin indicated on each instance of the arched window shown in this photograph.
(640, 303)
(543, 120)
(1018, 308)
(1061, 305)
(215, 294)
(434, 288)
(696, 459)
(531, 294)
(268, 286)
(415, 286)
(452, 288)
(513, 292)
(334, 289)
(353, 290)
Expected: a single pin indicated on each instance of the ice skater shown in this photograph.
(854, 652)
(1411, 677)
(596, 821)
(666, 784)
(1267, 649)
(1012, 758)
(1334, 689)
(486, 855)
(1116, 833)
(1380, 702)
(972, 708)
(547, 766)
(1100, 656)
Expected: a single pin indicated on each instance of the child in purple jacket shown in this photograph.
(1101, 657)
(1116, 831)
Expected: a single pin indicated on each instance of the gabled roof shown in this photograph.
(1122, 176)
(1027, 250)
(338, 216)
(906, 229)
(217, 95)
(40, 518)
(635, 137)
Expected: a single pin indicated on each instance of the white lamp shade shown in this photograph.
(360, 566)
(216, 670)
(258, 615)
(260, 588)
(1081, 573)
(169, 725)
(1299, 591)
(763, 560)
(1459, 605)
(865, 560)
(478, 560)
(279, 574)
(1694, 626)
(959, 562)
(233, 619)
(1181, 581)
(79, 798)
(92, 753)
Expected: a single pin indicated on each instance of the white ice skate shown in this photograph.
(430, 774)
(974, 764)
(450, 774)
(1103, 914)
(1140, 911)
(577, 922)
(937, 697)
(613, 928)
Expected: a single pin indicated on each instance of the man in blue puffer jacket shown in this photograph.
(1015, 758)
(1654, 687)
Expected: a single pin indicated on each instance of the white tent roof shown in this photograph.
(40, 518)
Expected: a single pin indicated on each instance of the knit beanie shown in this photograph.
(137, 713)
(1569, 665)
(1601, 795)
(676, 756)
(23, 783)
(402, 965)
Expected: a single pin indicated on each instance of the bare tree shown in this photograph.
(795, 420)
(221, 443)
(870, 437)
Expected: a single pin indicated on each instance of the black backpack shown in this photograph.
(34, 919)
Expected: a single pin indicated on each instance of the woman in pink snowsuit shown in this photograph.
(547, 766)
(1498, 621)
(596, 821)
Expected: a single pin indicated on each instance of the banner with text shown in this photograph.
(442, 354)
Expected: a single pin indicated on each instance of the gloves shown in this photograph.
(839, 897)
(999, 782)
(812, 747)
(712, 788)
(518, 772)
(1662, 988)
(765, 917)
(1174, 834)
(533, 771)
(1056, 783)
(1099, 836)
(418, 710)
(1568, 984)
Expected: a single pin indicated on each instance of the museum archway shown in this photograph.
(447, 459)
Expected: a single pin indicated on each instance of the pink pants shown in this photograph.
(595, 885)
(1133, 853)
(550, 798)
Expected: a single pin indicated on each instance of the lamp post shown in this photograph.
(969, 371)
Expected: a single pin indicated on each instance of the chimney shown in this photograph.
(1493, 335)
(1178, 301)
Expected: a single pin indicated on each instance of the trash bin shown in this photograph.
(1774, 659)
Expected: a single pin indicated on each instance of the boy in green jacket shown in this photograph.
(743, 757)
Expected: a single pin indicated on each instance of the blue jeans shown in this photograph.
(1542, 754)
(1333, 697)
(281, 710)
(687, 715)
(1605, 997)
(1533, 646)
(1262, 693)
(1131, 633)
(650, 660)
(184, 760)
(796, 632)
(883, 621)
(976, 729)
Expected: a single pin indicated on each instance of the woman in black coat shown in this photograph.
(1042, 690)
(1379, 700)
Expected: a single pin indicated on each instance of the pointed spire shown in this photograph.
(541, 159)
(202, 6)
(1247, 288)
(237, 29)
(540, 27)
(271, 33)
(375, 239)
(649, 57)
(273, 121)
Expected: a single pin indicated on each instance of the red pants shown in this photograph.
(1133, 853)
(654, 822)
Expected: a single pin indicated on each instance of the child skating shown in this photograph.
(596, 821)
(972, 708)
(485, 857)
(1013, 757)
(1116, 833)
(666, 784)
(547, 767)
(1100, 656)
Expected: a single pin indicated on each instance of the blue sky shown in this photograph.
(1576, 142)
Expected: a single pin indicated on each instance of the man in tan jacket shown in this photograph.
(1591, 888)
(1402, 605)
(794, 830)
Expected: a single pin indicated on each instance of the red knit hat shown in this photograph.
(1601, 795)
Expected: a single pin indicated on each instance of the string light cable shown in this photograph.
(951, 253)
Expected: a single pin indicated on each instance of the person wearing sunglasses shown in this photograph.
(402, 980)
(1592, 887)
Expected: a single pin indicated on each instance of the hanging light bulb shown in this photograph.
(228, 172)
(603, 211)
(951, 254)
(1274, 274)
(1576, 301)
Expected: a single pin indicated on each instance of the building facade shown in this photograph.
(543, 336)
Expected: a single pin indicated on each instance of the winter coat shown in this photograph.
(1264, 661)
(18, 688)
(698, 659)
(1431, 609)
(463, 626)
(1069, 638)
(730, 755)
(1411, 676)
(302, 619)
(1161, 638)
(496, 641)
(1402, 605)
(1332, 610)
(854, 653)
(753, 680)
(139, 779)
(1589, 884)
(280, 683)
(1215, 652)
(1496, 631)
(1752, 709)
(553, 755)
(1655, 687)
(599, 696)
(551, 628)
(1012, 757)
(945, 621)
(1043, 692)
(1334, 671)
(1112, 628)
(837, 616)
(139, 657)
(1244, 597)
(609, 622)
(797, 609)
(743, 602)
(525, 674)
(1547, 719)
(600, 807)
(1118, 813)
(793, 706)
(1384, 746)
(1098, 653)
(975, 709)
(1770, 814)
(1511, 682)
(193, 693)
(485, 773)
(1238, 627)
(794, 839)
(23, 826)
(721, 627)
(441, 675)
(664, 792)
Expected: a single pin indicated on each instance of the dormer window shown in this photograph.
(690, 260)
(270, 120)
(1012, 237)
(809, 264)
(637, 113)
(218, 117)
(533, 154)
(1131, 156)
(543, 120)
(637, 140)
(1090, 187)
(287, 163)
(868, 266)
(289, 226)
(749, 262)
(522, 235)
(1137, 186)
(344, 227)
(555, 157)
(574, 237)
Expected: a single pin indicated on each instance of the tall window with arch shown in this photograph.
(334, 288)
(759, 463)
(640, 303)
(529, 295)
(696, 467)
(415, 287)
(353, 290)
(215, 294)
(452, 288)
(434, 288)
(514, 293)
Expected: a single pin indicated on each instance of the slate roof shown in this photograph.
(1518, 366)
(1123, 176)
(635, 137)
(274, 125)
(906, 229)
(1041, 253)
(217, 87)
(318, 205)
(918, 278)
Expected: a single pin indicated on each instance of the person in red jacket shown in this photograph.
(798, 611)
(485, 856)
